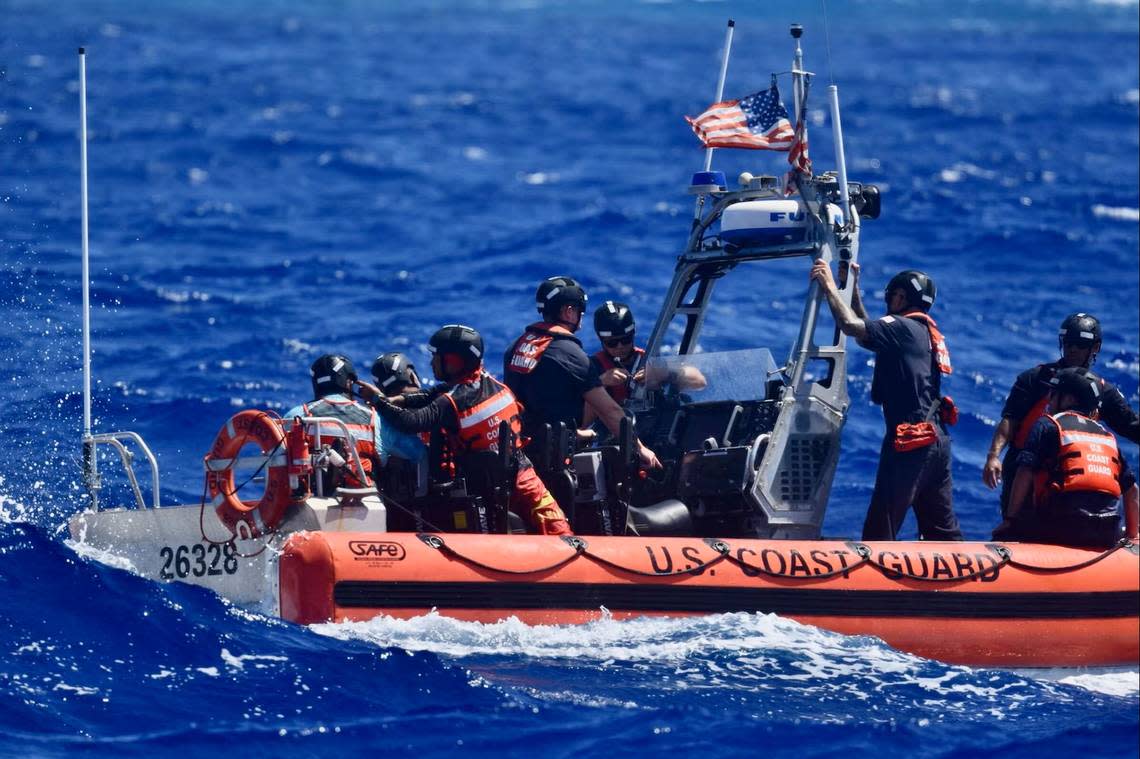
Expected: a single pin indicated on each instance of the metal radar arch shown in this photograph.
(787, 466)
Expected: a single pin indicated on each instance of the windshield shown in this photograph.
(703, 377)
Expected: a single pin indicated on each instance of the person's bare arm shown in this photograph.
(845, 318)
(856, 295)
(611, 415)
(991, 471)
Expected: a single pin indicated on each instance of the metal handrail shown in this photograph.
(115, 440)
(354, 454)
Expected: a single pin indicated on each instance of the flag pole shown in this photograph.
(720, 81)
(90, 463)
(719, 95)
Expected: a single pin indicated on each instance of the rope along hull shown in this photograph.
(969, 603)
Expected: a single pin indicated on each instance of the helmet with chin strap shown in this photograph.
(1081, 330)
(556, 293)
(1081, 385)
(917, 286)
(613, 319)
(332, 373)
(460, 349)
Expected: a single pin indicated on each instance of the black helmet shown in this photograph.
(919, 288)
(613, 319)
(1082, 330)
(393, 372)
(462, 342)
(1081, 384)
(555, 293)
(332, 373)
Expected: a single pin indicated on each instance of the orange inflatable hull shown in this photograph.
(979, 604)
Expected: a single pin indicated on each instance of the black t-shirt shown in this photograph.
(1032, 385)
(552, 392)
(905, 383)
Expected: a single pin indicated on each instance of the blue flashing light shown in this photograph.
(709, 179)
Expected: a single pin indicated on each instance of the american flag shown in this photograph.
(757, 122)
(798, 158)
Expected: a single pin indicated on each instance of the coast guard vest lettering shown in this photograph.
(481, 406)
(1088, 460)
(528, 349)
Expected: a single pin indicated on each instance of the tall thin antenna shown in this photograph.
(720, 82)
(90, 466)
(827, 35)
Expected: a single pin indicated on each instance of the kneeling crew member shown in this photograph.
(1070, 474)
(550, 374)
(910, 359)
(469, 411)
(1079, 341)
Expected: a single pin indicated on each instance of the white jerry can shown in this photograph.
(755, 223)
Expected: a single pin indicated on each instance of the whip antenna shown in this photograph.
(719, 95)
(90, 465)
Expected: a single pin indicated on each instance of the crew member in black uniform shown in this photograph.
(1079, 340)
(549, 372)
(910, 359)
(469, 410)
(1070, 474)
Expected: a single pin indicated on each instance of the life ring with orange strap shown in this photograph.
(266, 431)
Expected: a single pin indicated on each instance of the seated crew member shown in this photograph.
(395, 375)
(1079, 341)
(550, 374)
(618, 363)
(332, 377)
(470, 410)
(910, 359)
(1070, 474)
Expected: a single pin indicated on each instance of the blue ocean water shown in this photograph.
(274, 180)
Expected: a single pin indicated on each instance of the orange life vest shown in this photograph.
(360, 421)
(618, 392)
(481, 406)
(1035, 413)
(528, 349)
(937, 342)
(1088, 460)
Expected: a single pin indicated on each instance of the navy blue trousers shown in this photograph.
(919, 478)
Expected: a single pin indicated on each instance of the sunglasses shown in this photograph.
(616, 342)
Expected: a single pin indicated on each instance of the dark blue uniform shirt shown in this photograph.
(906, 382)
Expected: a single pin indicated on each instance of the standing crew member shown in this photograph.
(550, 373)
(910, 359)
(1070, 474)
(1079, 341)
(470, 410)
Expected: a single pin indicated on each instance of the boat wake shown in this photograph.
(657, 661)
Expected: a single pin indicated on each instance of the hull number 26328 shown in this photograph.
(198, 560)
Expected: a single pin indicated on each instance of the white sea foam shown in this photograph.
(1111, 681)
(1116, 213)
